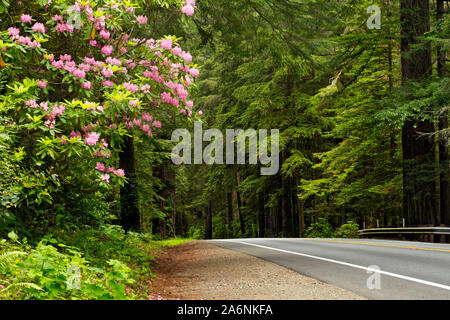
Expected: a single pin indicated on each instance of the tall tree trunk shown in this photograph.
(173, 209)
(208, 221)
(239, 205)
(261, 215)
(230, 214)
(441, 56)
(443, 141)
(301, 213)
(418, 195)
(294, 209)
(129, 207)
(285, 203)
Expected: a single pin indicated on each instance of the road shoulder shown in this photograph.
(199, 270)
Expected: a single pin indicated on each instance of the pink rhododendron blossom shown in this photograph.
(134, 103)
(188, 10)
(87, 85)
(105, 34)
(31, 103)
(147, 117)
(38, 27)
(194, 72)
(42, 84)
(24, 40)
(105, 177)
(107, 83)
(177, 51)
(25, 18)
(92, 138)
(142, 19)
(146, 88)
(80, 74)
(100, 166)
(58, 110)
(166, 44)
(107, 72)
(187, 57)
(119, 173)
(13, 31)
(107, 50)
(58, 18)
(62, 27)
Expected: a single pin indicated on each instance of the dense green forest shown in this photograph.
(92, 91)
(363, 116)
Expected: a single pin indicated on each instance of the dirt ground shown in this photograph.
(199, 270)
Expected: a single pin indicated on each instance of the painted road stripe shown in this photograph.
(382, 245)
(395, 275)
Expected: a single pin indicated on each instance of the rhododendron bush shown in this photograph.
(81, 79)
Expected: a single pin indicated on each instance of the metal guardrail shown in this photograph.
(404, 231)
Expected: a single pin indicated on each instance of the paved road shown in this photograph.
(407, 270)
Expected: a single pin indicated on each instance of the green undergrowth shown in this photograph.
(105, 264)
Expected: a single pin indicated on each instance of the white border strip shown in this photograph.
(395, 275)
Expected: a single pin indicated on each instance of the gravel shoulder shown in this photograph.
(199, 270)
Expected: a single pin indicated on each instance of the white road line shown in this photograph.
(395, 275)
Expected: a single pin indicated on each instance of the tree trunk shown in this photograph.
(418, 195)
(230, 214)
(173, 209)
(261, 215)
(208, 221)
(294, 209)
(443, 141)
(129, 207)
(239, 204)
(441, 56)
(301, 213)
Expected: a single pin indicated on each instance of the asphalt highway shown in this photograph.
(375, 269)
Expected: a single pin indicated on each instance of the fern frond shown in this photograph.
(8, 257)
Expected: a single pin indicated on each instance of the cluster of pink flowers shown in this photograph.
(102, 168)
(166, 97)
(105, 34)
(188, 8)
(31, 103)
(92, 138)
(86, 85)
(27, 41)
(142, 19)
(146, 88)
(38, 27)
(172, 74)
(42, 84)
(107, 50)
(180, 53)
(25, 18)
(65, 63)
(14, 32)
(102, 154)
(63, 27)
(131, 87)
(181, 91)
(166, 44)
(51, 116)
(107, 72)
